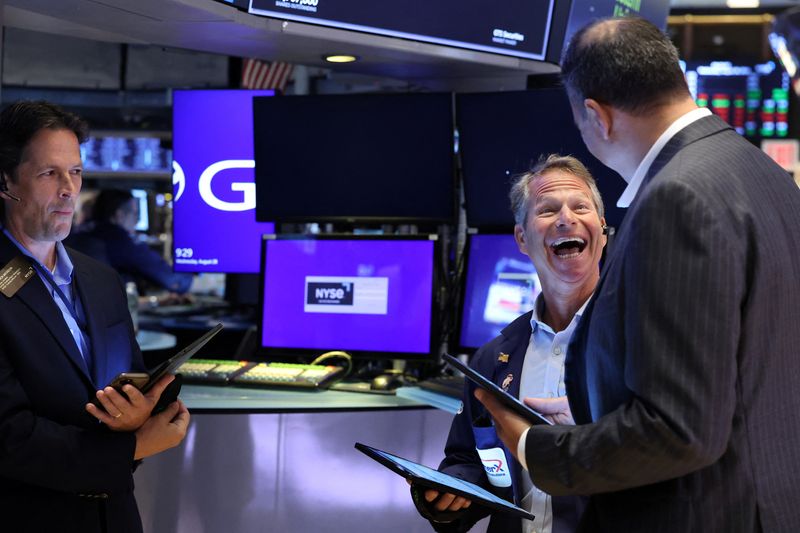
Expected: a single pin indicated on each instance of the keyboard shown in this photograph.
(288, 375)
(210, 371)
(452, 386)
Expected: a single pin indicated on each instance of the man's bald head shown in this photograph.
(627, 63)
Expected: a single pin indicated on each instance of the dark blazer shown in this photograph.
(687, 358)
(461, 459)
(60, 469)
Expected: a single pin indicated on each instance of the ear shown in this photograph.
(519, 237)
(599, 116)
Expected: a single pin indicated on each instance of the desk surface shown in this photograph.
(154, 340)
(212, 399)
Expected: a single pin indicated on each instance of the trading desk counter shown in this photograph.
(210, 400)
(263, 460)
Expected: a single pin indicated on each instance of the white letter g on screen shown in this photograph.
(248, 189)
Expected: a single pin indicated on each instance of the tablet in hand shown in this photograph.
(430, 478)
(502, 396)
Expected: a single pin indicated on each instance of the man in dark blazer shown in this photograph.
(682, 376)
(65, 332)
(560, 227)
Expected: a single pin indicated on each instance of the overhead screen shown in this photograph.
(215, 228)
(379, 157)
(517, 28)
(372, 296)
(501, 135)
(583, 12)
(500, 284)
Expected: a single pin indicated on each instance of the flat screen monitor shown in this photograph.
(143, 222)
(753, 98)
(372, 296)
(214, 222)
(500, 284)
(502, 135)
(518, 28)
(374, 157)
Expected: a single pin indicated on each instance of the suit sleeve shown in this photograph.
(39, 451)
(684, 285)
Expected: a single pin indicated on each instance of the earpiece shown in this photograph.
(605, 229)
(4, 188)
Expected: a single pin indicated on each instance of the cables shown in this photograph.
(336, 354)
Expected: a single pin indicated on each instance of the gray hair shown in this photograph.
(520, 192)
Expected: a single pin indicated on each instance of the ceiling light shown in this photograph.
(340, 58)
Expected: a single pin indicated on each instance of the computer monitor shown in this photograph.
(214, 223)
(355, 158)
(371, 296)
(752, 97)
(500, 284)
(503, 134)
(143, 222)
(138, 154)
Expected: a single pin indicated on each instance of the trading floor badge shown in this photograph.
(507, 382)
(15, 275)
(502, 357)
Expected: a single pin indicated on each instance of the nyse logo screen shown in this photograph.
(321, 293)
(346, 295)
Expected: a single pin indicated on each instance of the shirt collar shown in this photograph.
(63, 270)
(538, 310)
(641, 171)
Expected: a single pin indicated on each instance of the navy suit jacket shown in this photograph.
(461, 459)
(683, 372)
(56, 461)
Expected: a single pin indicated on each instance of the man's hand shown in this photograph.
(556, 410)
(447, 501)
(121, 414)
(509, 426)
(162, 431)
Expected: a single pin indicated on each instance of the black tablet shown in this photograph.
(430, 478)
(502, 396)
(171, 365)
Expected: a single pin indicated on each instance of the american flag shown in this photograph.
(257, 74)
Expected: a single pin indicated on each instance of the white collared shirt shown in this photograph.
(641, 171)
(543, 376)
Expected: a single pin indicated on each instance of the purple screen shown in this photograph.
(371, 295)
(215, 228)
(501, 285)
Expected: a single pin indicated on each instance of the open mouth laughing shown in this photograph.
(568, 247)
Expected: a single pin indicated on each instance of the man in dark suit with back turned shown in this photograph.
(65, 331)
(683, 374)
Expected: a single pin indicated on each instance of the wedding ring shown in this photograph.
(118, 415)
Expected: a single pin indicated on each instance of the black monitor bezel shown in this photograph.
(277, 353)
(371, 219)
